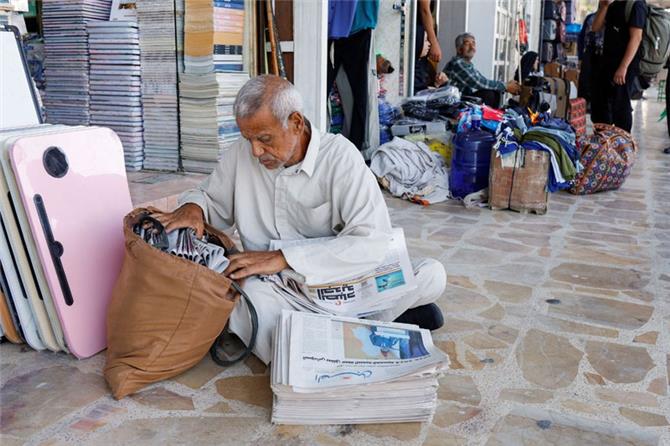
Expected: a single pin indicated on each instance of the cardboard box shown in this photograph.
(553, 69)
(426, 127)
(572, 75)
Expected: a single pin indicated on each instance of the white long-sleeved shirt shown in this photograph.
(330, 193)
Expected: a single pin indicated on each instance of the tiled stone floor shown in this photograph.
(558, 330)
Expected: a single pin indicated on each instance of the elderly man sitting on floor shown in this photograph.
(470, 81)
(285, 180)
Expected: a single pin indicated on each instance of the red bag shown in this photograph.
(577, 116)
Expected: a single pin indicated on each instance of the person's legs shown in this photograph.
(354, 52)
(431, 280)
(584, 89)
(333, 67)
(268, 305)
(600, 92)
(422, 78)
(622, 112)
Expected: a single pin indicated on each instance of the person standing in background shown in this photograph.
(620, 61)
(589, 52)
(425, 63)
(350, 25)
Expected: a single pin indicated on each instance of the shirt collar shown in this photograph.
(309, 162)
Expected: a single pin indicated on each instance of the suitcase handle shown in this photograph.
(55, 248)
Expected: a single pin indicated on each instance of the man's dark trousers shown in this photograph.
(352, 53)
(611, 102)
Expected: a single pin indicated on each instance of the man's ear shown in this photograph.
(296, 122)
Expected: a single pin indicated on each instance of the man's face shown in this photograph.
(468, 49)
(273, 145)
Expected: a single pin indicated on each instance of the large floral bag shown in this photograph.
(608, 155)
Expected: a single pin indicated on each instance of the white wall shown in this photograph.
(478, 17)
(310, 28)
(474, 16)
(452, 21)
(481, 22)
(387, 42)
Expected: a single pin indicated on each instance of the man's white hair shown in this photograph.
(460, 39)
(280, 95)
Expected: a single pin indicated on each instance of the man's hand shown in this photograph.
(189, 215)
(604, 3)
(435, 52)
(250, 263)
(513, 87)
(620, 75)
(441, 79)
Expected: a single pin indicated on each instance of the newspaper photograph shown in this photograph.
(357, 296)
(328, 351)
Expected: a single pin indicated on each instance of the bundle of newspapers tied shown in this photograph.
(336, 370)
(362, 295)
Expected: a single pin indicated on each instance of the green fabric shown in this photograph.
(518, 134)
(564, 162)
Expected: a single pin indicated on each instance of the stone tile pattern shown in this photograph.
(557, 327)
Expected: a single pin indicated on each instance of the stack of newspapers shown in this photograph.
(336, 370)
(66, 57)
(213, 75)
(361, 295)
(159, 67)
(207, 122)
(115, 85)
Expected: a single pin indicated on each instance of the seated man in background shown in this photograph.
(285, 180)
(463, 74)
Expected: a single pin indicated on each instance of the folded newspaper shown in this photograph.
(337, 370)
(358, 296)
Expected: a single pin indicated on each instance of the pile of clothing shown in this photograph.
(553, 135)
(412, 171)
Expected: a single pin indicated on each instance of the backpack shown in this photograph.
(655, 40)
(550, 30)
(552, 11)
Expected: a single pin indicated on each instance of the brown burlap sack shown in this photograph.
(523, 188)
(165, 313)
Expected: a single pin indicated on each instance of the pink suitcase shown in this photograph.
(74, 189)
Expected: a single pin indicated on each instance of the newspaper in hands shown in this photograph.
(358, 296)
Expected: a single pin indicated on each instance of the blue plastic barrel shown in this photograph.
(471, 160)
